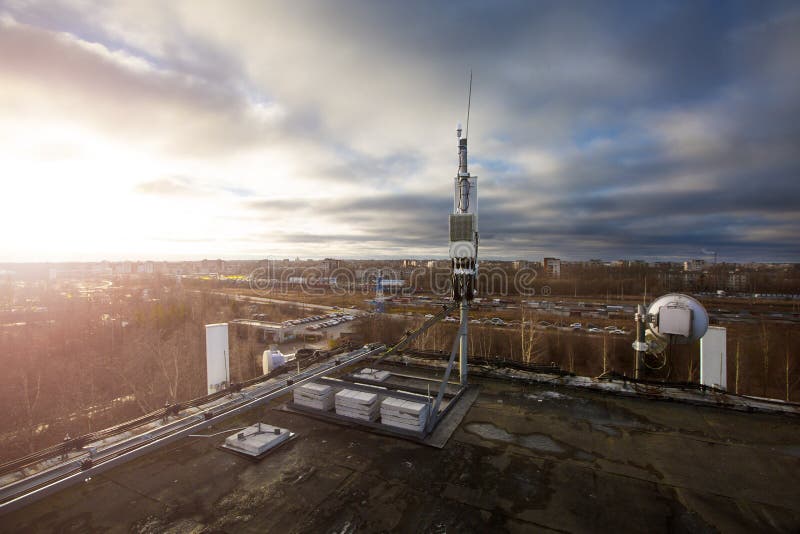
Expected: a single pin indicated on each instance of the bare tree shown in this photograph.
(167, 356)
(30, 381)
(765, 353)
(530, 340)
(736, 387)
(787, 367)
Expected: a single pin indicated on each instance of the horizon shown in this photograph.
(657, 132)
(407, 258)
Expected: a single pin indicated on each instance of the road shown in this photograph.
(265, 300)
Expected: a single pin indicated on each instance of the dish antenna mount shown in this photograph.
(674, 318)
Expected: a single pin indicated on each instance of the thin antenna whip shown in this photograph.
(469, 102)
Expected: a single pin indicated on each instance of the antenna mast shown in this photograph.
(464, 240)
(469, 103)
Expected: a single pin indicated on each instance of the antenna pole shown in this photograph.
(464, 243)
(469, 102)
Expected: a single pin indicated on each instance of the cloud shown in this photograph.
(612, 130)
(170, 186)
(127, 97)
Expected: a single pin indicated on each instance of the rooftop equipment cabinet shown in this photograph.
(217, 357)
(713, 358)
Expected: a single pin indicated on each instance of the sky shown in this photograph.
(194, 129)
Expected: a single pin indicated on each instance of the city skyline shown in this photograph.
(242, 131)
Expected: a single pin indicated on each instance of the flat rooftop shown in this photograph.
(525, 457)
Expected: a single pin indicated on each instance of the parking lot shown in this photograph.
(322, 322)
(578, 328)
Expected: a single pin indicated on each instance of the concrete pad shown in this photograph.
(357, 404)
(355, 398)
(314, 395)
(312, 388)
(404, 414)
(401, 420)
(323, 405)
(257, 439)
(417, 426)
(368, 413)
(401, 406)
(372, 374)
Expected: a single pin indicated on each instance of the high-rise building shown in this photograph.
(694, 265)
(737, 281)
(552, 267)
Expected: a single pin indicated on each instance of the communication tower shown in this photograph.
(464, 242)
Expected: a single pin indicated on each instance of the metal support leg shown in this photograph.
(462, 333)
(434, 416)
(411, 336)
(640, 345)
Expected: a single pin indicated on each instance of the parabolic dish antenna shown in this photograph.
(677, 317)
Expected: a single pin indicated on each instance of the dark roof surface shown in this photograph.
(524, 458)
